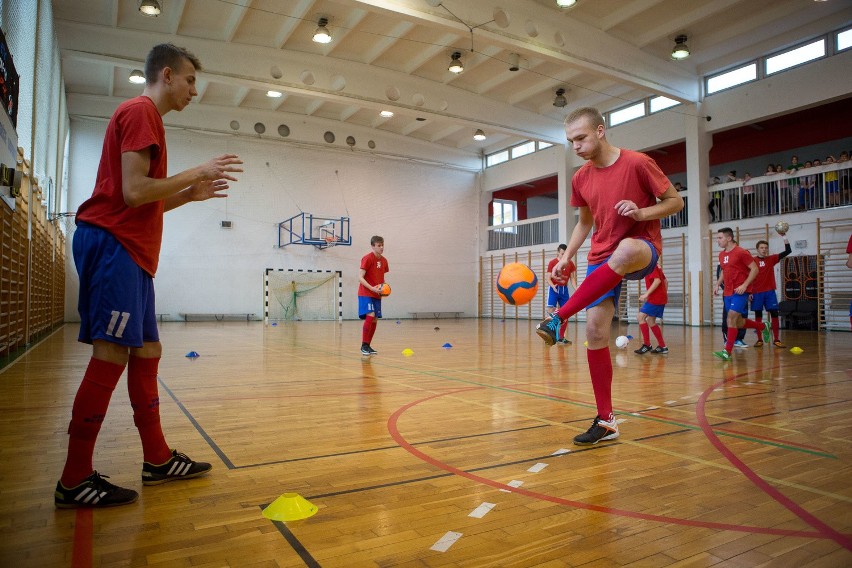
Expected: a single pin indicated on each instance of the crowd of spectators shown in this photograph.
(801, 186)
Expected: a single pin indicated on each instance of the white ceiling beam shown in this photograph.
(240, 95)
(299, 13)
(342, 30)
(626, 11)
(429, 52)
(685, 19)
(239, 10)
(591, 49)
(395, 34)
(444, 133)
(313, 106)
(348, 112)
(178, 8)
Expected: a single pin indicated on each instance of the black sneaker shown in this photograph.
(601, 431)
(94, 491)
(548, 329)
(642, 350)
(372, 351)
(563, 341)
(179, 466)
(365, 349)
(660, 350)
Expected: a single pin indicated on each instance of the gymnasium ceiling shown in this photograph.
(393, 55)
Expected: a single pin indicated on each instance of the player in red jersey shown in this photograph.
(116, 251)
(763, 289)
(622, 194)
(655, 298)
(557, 291)
(371, 276)
(738, 272)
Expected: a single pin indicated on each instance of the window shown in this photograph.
(543, 145)
(732, 78)
(496, 158)
(504, 212)
(844, 40)
(523, 149)
(662, 103)
(627, 113)
(803, 54)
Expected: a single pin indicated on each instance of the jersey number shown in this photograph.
(117, 323)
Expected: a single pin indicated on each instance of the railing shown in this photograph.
(537, 231)
(821, 187)
(679, 219)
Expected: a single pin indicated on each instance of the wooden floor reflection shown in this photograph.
(745, 463)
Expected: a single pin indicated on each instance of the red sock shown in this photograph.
(600, 369)
(751, 324)
(776, 328)
(646, 338)
(563, 328)
(145, 401)
(368, 329)
(596, 284)
(732, 336)
(658, 333)
(87, 414)
(759, 321)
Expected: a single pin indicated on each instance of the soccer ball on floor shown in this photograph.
(517, 284)
(781, 227)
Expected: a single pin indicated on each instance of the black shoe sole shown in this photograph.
(546, 337)
(168, 479)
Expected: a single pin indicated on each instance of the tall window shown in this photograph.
(627, 113)
(504, 211)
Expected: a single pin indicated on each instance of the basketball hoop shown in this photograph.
(330, 240)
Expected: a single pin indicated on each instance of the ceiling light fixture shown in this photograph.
(137, 77)
(559, 100)
(479, 135)
(681, 50)
(565, 3)
(386, 114)
(274, 94)
(456, 65)
(322, 35)
(150, 8)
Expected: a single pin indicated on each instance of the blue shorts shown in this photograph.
(366, 305)
(615, 293)
(116, 301)
(737, 303)
(764, 300)
(557, 298)
(654, 310)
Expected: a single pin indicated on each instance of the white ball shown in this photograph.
(621, 341)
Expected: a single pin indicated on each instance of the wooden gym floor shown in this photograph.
(747, 463)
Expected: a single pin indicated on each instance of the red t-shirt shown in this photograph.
(633, 176)
(374, 272)
(765, 279)
(660, 296)
(561, 279)
(135, 125)
(735, 268)
(849, 245)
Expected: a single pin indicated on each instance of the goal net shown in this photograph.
(296, 295)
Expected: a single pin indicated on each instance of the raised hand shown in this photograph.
(220, 167)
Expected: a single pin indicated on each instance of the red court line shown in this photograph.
(825, 530)
(81, 555)
(394, 432)
(673, 420)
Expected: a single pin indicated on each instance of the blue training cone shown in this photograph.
(193, 354)
(446, 346)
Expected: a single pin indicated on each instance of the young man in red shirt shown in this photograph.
(116, 250)
(655, 298)
(622, 194)
(738, 272)
(371, 276)
(763, 289)
(557, 288)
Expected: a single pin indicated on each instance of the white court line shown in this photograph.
(482, 510)
(446, 541)
(513, 483)
(537, 467)
(671, 402)
(560, 451)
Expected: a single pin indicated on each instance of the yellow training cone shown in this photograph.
(407, 352)
(290, 507)
(796, 350)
